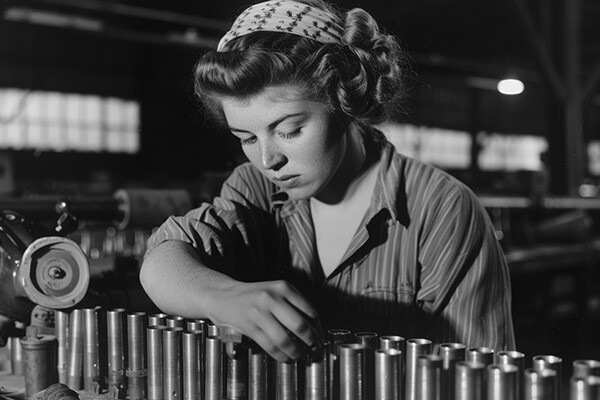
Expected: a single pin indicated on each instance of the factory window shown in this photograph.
(442, 147)
(54, 121)
(593, 153)
(505, 152)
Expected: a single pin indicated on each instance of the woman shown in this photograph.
(326, 226)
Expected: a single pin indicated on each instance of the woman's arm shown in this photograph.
(272, 313)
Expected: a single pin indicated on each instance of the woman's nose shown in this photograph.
(271, 156)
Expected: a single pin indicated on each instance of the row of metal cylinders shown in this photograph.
(161, 357)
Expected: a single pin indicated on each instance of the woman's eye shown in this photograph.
(248, 141)
(291, 134)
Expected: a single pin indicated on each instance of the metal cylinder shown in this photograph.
(172, 361)
(17, 363)
(213, 381)
(540, 384)
(392, 342)
(336, 337)
(154, 338)
(369, 340)
(451, 353)
(159, 319)
(39, 354)
(61, 321)
(192, 385)
(483, 355)
(91, 351)
(429, 377)
(585, 387)
(517, 359)
(352, 372)
(470, 382)
(236, 363)
(258, 373)
(388, 381)
(197, 325)
(136, 356)
(586, 368)
(75, 374)
(502, 382)
(286, 387)
(554, 363)
(174, 321)
(316, 377)
(115, 321)
(414, 348)
(213, 330)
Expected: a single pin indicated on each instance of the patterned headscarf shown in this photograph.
(285, 16)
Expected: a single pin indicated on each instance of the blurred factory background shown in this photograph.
(96, 96)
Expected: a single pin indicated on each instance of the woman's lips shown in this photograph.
(287, 181)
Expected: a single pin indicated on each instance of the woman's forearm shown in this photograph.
(272, 313)
(178, 283)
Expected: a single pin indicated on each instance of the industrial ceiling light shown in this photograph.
(510, 86)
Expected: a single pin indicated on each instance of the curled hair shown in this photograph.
(360, 78)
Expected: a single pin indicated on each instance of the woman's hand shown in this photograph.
(273, 314)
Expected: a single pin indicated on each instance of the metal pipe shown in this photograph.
(551, 362)
(470, 383)
(174, 321)
(414, 348)
(286, 387)
(369, 340)
(75, 375)
(517, 359)
(136, 356)
(336, 337)
(586, 368)
(61, 321)
(541, 384)
(352, 372)
(172, 377)
(483, 355)
(392, 342)
(213, 381)
(429, 377)
(40, 363)
(213, 330)
(198, 325)
(115, 321)
(502, 382)
(258, 373)
(17, 363)
(236, 357)
(157, 319)
(451, 353)
(91, 353)
(316, 375)
(154, 337)
(388, 381)
(585, 387)
(192, 385)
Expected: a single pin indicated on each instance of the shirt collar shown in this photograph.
(388, 193)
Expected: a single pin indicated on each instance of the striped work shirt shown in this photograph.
(424, 261)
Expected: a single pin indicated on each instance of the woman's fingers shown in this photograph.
(297, 323)
(274, 315)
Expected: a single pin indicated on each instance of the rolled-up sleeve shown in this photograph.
(231, 228)
(465, 282)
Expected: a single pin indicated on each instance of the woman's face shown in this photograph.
(296, 143)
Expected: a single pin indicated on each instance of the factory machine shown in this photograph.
(57, 346)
